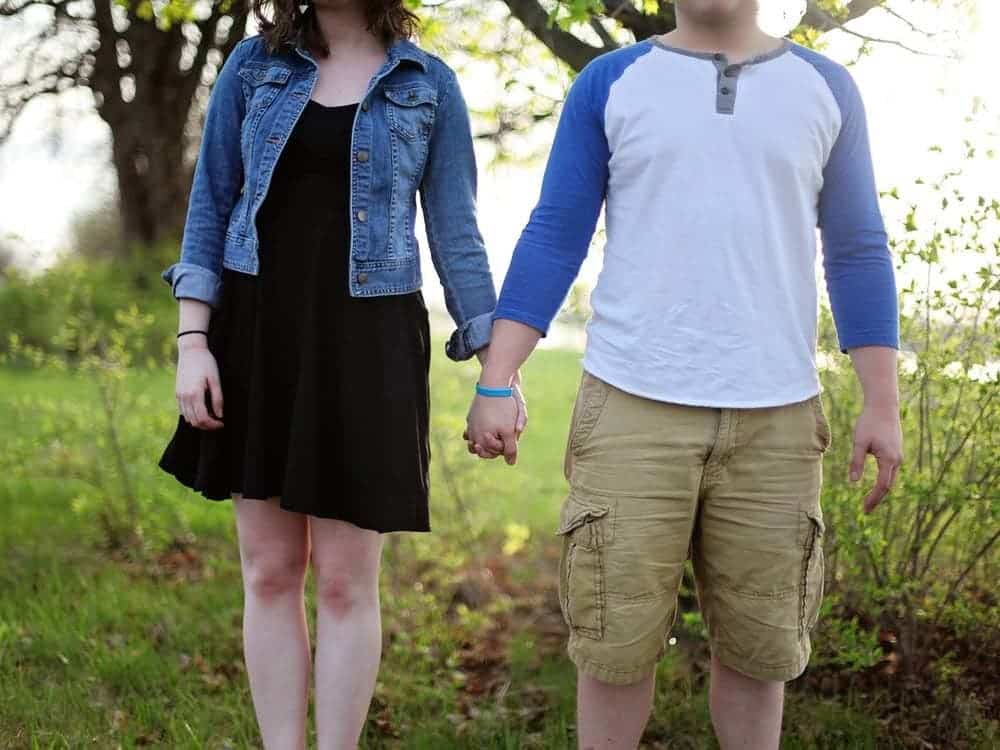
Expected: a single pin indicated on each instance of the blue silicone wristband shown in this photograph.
(494, 392)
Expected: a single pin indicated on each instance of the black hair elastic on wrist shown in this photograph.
(185, 333)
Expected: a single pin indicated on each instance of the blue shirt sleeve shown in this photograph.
(555, 241)
(856, 260)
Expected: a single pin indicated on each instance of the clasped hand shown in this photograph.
(494, 425)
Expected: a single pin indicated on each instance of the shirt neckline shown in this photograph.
(719, 56)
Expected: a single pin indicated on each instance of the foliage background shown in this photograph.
(120, 605)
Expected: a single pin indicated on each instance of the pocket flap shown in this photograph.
(811, 528)
(259, 74)
(817, 520)
(411, 96)
(575, 514)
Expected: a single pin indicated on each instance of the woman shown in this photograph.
(299, 295)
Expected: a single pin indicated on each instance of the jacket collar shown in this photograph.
(404, 49)
(400, 50)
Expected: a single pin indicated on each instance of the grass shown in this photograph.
(105, 649)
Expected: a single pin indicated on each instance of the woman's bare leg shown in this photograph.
(274, 553)
(345, 561)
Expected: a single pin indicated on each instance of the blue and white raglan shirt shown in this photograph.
(715, 177)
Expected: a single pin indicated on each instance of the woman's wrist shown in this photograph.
(192, 342)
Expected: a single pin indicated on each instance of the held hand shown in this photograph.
(877, 432)
(493, 427)
(198, 372)
(522, 417)
(520, 424)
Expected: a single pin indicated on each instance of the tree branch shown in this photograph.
(819, 18)
(641, 24)
(573, 51)
(11, 8)
(890, 42)
(957, 584)
(913, 27)
(602, 33)
(577, 53)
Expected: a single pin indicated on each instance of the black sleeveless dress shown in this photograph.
(326, 401)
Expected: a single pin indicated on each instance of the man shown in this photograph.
(698, 428)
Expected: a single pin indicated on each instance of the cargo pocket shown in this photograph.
(586, 529)
(813, 570)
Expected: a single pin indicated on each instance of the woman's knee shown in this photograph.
(274, 570)
(345, 562)
(274, 548)
(341, 594)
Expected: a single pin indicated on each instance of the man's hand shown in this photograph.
(495, 424)
(878, 432)
(493, 427)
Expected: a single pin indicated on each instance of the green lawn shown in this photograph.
(107, 649)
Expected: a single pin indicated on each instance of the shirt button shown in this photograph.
(717, 57)
(725, 91)
(362, 215)
(362, 278)
(364, 105)
(732, 71)
(362, 156)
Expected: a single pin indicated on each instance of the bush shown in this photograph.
(930, 553)
(34, 309)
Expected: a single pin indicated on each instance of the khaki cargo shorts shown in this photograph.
(653, 483)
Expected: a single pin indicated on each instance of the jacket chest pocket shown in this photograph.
(261, 84)
(410, 112)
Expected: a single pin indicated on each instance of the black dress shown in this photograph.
(326, 401)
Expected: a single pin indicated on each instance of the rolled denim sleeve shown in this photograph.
(448, 199)
(218, 177)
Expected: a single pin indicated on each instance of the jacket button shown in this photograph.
(362, 278)
(362, 215)
(364, 105)
(362, 156)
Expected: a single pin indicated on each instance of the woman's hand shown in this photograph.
(491, 447)
(198, 373)
(495, 425)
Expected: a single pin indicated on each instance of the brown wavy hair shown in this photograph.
(389, 20)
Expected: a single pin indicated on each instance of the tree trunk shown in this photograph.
(153, 179)
(146, 96)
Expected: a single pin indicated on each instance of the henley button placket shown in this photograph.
(727, 79)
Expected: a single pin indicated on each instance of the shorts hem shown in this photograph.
(763, 672)
(608, 674)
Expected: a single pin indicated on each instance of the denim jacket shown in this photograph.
(411, 133)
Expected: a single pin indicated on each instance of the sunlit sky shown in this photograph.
(913, 102)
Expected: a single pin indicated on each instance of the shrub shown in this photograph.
(932, 547)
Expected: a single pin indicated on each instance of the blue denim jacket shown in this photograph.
(411, 133)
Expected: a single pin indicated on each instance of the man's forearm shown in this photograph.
(510, 345)
(876, 369)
